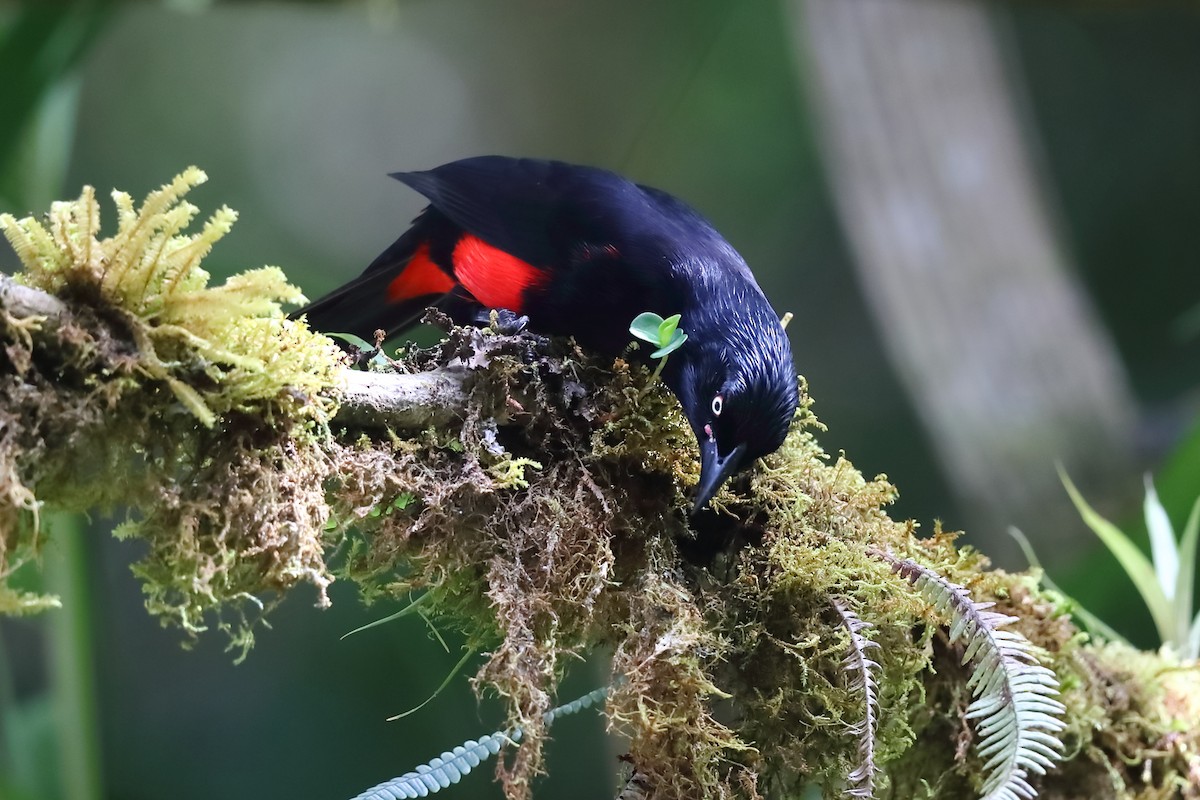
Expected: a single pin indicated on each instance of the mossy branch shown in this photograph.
(436, 398)
(538, 498)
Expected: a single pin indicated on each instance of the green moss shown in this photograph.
(220, 348)
(550, 523)
(199, 407)
(1132, 717)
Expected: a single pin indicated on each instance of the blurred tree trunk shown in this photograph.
(957, 254)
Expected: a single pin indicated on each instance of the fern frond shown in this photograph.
(451, 766)
(861, 782)
(1014, 705)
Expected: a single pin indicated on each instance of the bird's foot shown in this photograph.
(502, 321)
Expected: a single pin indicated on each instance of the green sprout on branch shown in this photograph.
(662, 333)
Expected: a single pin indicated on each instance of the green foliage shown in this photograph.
(399, 503)
(413, 607)
(1090, 621)
(14, 602)
(663, 334)
(353, 339)
(1166, 580)
(378, 360)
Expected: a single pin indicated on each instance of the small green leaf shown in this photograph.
(350, 338)
(678, 339)
(404, 500)
(666, 330)
(645, 326)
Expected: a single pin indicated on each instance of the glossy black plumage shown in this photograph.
(581, 251)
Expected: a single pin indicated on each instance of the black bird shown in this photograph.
(581, 251)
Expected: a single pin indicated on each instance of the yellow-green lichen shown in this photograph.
(219, 348)
(198, 406)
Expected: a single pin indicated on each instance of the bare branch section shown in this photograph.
(377, 400)
(24, 303)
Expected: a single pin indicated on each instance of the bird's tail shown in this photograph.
(391, 294)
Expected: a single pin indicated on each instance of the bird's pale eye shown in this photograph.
(718, 404)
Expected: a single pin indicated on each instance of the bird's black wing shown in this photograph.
(534, 209)
(364, 305)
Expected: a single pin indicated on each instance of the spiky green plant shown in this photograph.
(1165, 581)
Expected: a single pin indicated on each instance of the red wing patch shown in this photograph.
(420, 276)
(493, 277)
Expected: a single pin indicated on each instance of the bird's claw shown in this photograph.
(503, 321)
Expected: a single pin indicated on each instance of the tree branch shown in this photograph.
(24, 303)
(377, 400)
(561, 530)
(368, 399)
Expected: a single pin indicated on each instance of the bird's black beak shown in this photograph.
(714, 469)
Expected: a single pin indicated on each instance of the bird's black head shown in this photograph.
(737, 385)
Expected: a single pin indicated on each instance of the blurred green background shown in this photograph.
(298, 110)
